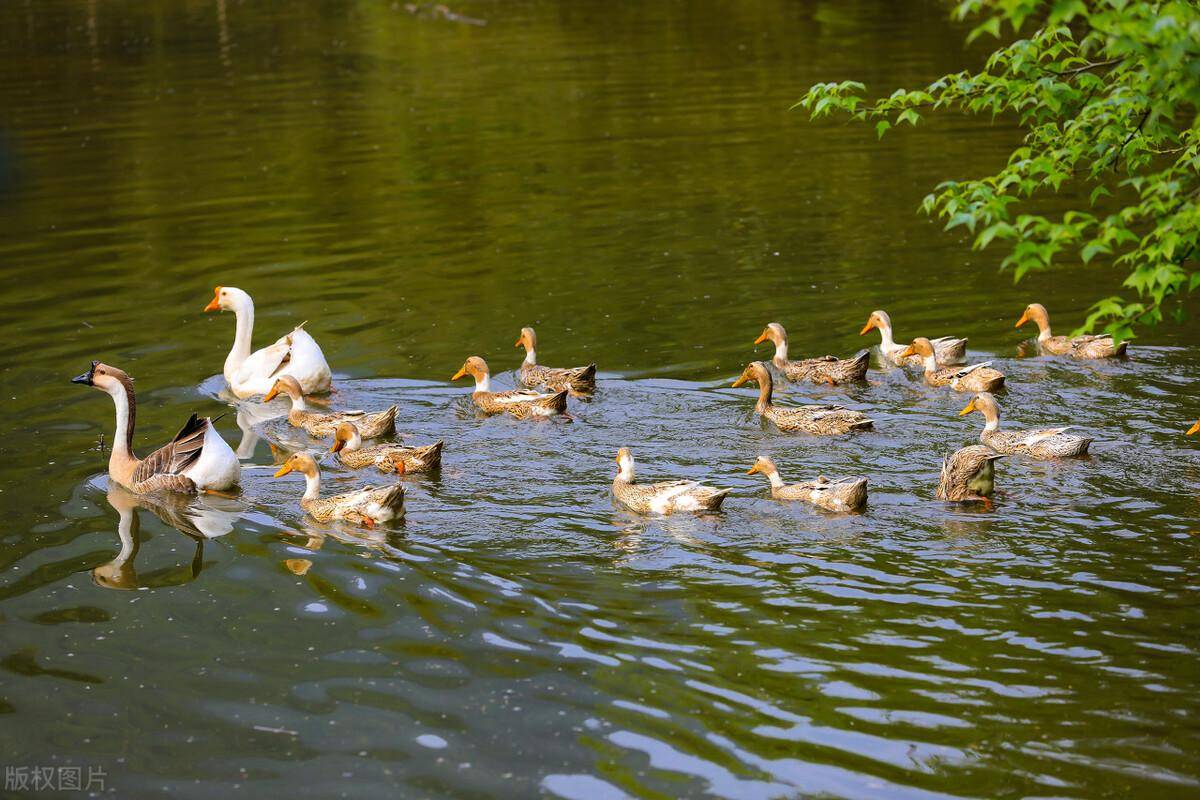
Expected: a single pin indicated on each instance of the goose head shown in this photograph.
(227, 298)
(110, 380)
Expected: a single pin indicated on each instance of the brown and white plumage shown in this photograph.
(968, 475)
(323, 423)
(843, 494)
(580, 380)
(387, 457)
(1044, 443)
(947, 349)
(662, 498)
(520, 403)
(816, 419)
(825, 369)
(196, 459)
(1086, 346)
(975, 378)
(364, 507)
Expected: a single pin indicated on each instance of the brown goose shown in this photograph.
(197, 459)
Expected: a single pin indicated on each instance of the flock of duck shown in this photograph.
(198, 460)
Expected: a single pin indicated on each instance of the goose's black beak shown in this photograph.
(85, 378)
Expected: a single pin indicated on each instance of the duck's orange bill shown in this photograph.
(762, 337)
(284, 470)
(1024, 318)
(215, 303)
(740, 382)
(462, 371)
(752, 470)
(870, 324)
(271, 395)
(970, 407)
(338, 444)
(908, 351)
(520, 341)
(1194, 429)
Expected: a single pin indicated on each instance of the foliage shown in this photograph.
(1108, 92)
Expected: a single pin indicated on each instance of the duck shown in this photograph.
(821, 420)
(844, 494)
(948, 349)
(1192, 431)
(580, 380)
(521, 403)
(826, 369)
(1044, 444)
(975, 378)
(662, 498)
(196, 460)
(969, 475)
(250, 374)
(388, 457)
(324, 424)
(1089, 346)
(367, 507)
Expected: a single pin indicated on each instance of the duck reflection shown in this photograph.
(199, 519)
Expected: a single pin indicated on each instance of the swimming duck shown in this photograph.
(844, 494)
(975, 378)
(808, 418)
(947, 349)
(1091, 346)
(968, 475)
(364, 507)
(1045, 443)
(388, 457)
(323, 424)
(662, 498)
(580, 380)
(826, 369)
(1194, 429)
(521, 403)
(197, 459)
(296, 354)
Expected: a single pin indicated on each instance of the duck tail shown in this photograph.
(556, 402)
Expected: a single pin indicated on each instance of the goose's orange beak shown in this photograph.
(215, 303)
(762, 337)
(462, 371)
(870, 324)
(752, 470)
(1194, 429)
(338, 444)
(1024, 318)
(284, 470)
(740, 382)
(271, 395)
(970, 407)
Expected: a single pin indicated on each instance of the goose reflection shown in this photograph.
(199, 519)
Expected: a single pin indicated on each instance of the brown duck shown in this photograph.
(521, 403)
(1045, 443)
(975, 378)
(387, 457)
(968, 475)
(1091, 346)
(323, 424)
(363, 507)
(662, 498)
(826, 369)
(580, 380)
(844, 494)
(820, 420)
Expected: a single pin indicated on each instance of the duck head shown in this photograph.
(346, 437)
(878, 319)
(1036, 312)
(285, 384)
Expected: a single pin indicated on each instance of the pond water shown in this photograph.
(626, 178)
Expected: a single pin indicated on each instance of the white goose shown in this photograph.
(197, 459)
(296, 354)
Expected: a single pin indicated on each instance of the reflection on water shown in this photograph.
(625, 179)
